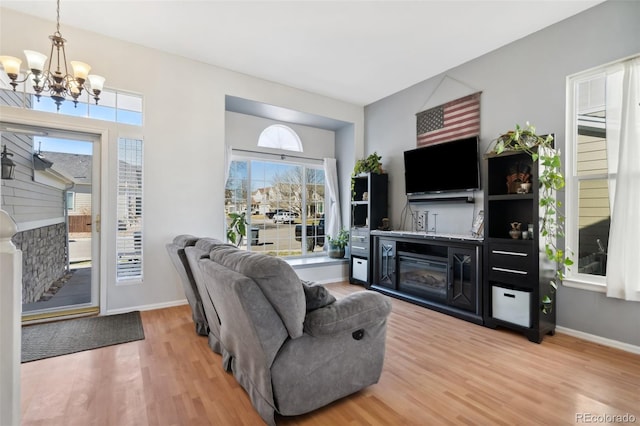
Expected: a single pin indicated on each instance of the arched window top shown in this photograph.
(279, 136)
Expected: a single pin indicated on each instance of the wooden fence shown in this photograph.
(80, 223)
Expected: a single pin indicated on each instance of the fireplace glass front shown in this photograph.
(423, 276)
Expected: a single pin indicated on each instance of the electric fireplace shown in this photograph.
(423, 275)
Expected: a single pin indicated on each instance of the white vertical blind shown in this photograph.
(129, 205)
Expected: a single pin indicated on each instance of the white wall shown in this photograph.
(524, 81)
(184, 135)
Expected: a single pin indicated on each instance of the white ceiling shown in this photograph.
(356, 51)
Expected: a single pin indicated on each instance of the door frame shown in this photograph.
(98, 132)
(93, 306)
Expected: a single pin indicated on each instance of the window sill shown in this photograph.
(584, 285)
(315, 261)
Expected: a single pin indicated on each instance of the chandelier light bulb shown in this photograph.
(35, 60)
(80, 71)
(74, 89)
(96, 82)
(11, 65)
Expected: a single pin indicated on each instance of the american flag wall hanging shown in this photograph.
(454, 120)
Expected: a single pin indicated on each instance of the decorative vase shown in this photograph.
(525, 187)
(515, 231)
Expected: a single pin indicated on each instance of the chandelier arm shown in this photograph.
(64, 57)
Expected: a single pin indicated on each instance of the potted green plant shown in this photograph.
(337, 244)
(237, 228)
(541, 149)
(370, 164)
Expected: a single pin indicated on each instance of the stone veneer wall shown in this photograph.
(44, 259)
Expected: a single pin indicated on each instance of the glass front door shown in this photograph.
(54, 200)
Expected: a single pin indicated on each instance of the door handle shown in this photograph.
(98, 222)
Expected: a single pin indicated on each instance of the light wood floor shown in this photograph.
(438, 370)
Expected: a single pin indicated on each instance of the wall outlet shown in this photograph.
(420, 221)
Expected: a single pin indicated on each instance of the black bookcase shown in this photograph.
(516, 271)
(369, 205)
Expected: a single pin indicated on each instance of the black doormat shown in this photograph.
(41, 341)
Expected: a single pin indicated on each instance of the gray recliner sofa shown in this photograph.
(177, 254)
(293, 347)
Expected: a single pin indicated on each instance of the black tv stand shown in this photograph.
(442, 273)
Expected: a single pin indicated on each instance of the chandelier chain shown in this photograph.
(58, 17)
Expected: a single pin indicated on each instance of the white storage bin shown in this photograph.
(359, 268)
(511, 305)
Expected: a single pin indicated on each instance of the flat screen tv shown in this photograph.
(446, 167)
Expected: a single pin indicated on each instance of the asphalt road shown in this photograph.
(79, 249)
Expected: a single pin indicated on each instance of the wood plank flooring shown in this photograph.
(438, 370)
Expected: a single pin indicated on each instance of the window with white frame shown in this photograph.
(114, 105)
(71, 201)
(599, 140)
(284, 201)
(129, 210)
(279, 136)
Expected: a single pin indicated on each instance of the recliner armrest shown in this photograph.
(351, 313)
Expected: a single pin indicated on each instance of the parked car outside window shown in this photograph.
(285, 217)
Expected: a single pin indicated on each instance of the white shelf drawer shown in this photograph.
(359, 268)
(511, 305)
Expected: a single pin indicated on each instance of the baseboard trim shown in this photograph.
(601, 340)
(150, 307)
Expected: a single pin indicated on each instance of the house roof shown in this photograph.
(76, 166)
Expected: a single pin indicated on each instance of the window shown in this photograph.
(591, 175)
(71, 198)
(593, 153)
(115, 106)
(285, 203)
(280, 137)
(129, 210)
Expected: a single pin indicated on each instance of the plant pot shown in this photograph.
(335, 252)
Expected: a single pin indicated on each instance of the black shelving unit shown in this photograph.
(369, 205)
(516, 271)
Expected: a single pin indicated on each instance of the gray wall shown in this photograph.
(242, 132)
(345, 152)
(523, 81)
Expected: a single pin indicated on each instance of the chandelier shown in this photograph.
(58, 82)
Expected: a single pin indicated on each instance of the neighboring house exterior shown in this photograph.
(36, 200)
(78, 197)
(268, 199)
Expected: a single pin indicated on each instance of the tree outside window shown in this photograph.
(278, 197)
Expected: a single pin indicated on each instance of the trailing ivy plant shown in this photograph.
(370, 164)
(237, 228)
(541, 150)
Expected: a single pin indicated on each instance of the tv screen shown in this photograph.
(445, 167)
